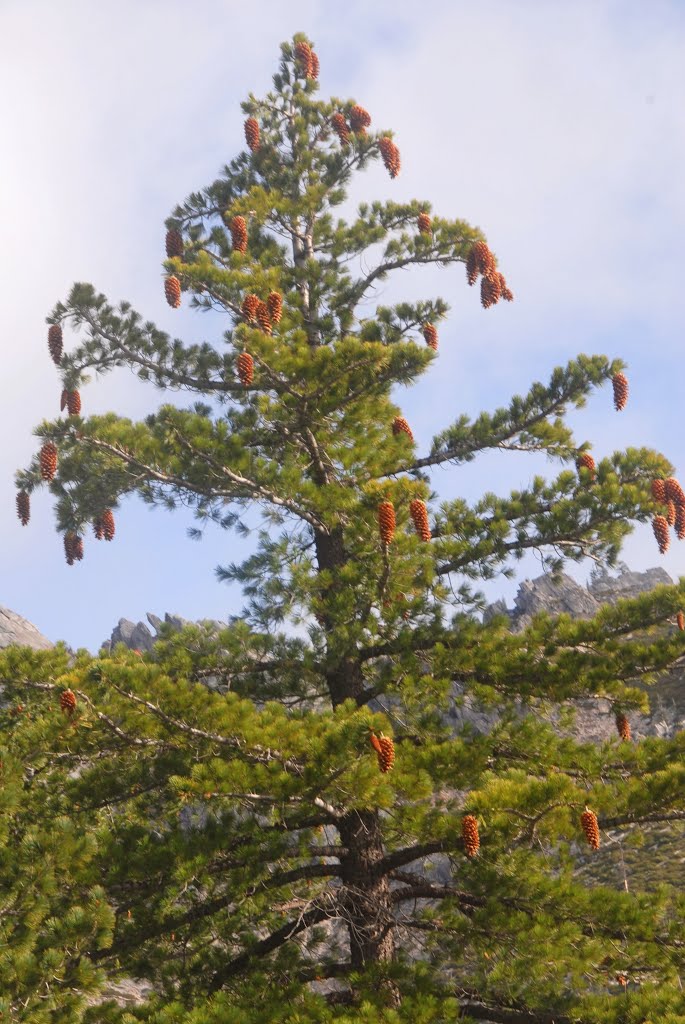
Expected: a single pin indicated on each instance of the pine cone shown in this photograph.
(507, 293)
(172, 290)
(360, 119)
(623, 727)
(315, 66)
(63, 400)
(490, 290)
(586, 461)
(174, 245)
(73, 547)
(670, 513)
(424, 224)
(245, 366)
(588, 820)
(67, 701)
(23, 507)
(274, 304)
(263, 317)
(674, 491)
(430, 333)
(252, 133)
(479, 261)
(98, 528)
(620, 383)
(400, 426)
(660, 527)
(47, 459)
(680, 619)
(73, 403)
(386, 521)
(386, 754)
(419, 514)
(55, 343)
(472, 270)
(391, 156)
(303, 56)
(249, 307)
(469, 835)
(341, 128)
(680, 521)
(659, 491)
(78, 548)
(107, 522)
(239, 234)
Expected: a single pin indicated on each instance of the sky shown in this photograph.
(557, 128)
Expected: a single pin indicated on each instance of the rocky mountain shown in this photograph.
(14, 629)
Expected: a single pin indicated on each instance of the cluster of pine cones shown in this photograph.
(104, 526)
(307, 61)
(417, 509)
(670, 494)
(493, 286)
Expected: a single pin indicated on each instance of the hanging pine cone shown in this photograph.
(23, 507)
(590, 825)
(172, 290)
(490, 290)
(98, 528)
(670, 513)
(623, 727)
(303, 56)
(249, 307)
(400, 426)
(63, 400)
(586, 461)
(73, 403)
(78, 548)
(340, 127)
(391, 156)
(174, 244)
(674, 491)
(620, 384)
(108, 527)
(469, 835)
(73, 548)
(424, 224)
(55, 343)
(680, 521)
(274, 305)
(660, 527)
(430, 333)
(419, 515)
(263, 318)
(479, 261)
(360, 119)
(245, 366)
(680, 619)
(506, 291)
(659, 491)
(472, 266)
(252, 133)
(48, 461)
(315, 66)
(67, 701)
(239, 234)
(386, 753)
(386, 521)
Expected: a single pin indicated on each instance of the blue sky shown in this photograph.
(556, 127)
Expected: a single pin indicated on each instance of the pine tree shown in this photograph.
(252, 860)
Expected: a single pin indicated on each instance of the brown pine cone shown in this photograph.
(274, 304)
(680, 521)
(23, 507)
(386, 755)
(430, 333)
(252, 134)
(73, 547)
(490, 290)
(67, 701)
(480, 260)
(674, 491)
(472, 268)
(623, 727)
(386, 521)
(239, 234)
(341, 128)
(47, 459)
(424, 224)
(174, 245)
(360, 119)
(680, 619)
(63, 400)
(263, 318)
(303, 56)
(469, 835)
(659, 491)
(98, 528)
(620, 384)
(586, 461)
(107, 522)
(315, 67)
(245, 367)
(590, 825)
(55, 343)
(670, 513)
(400, 426)
(507, 293)
(78, 548)
(73, 403)
(249, 307)
(419, 515)
(391, 155)
(172, 290)
(660, 527)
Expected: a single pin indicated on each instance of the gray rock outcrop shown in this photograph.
(14, 629)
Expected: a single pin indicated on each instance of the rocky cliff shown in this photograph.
(16, 630)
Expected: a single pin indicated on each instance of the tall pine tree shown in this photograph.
(277, 822)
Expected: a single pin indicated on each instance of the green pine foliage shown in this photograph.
(212, 817)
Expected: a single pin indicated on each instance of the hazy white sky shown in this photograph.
(555, 126)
